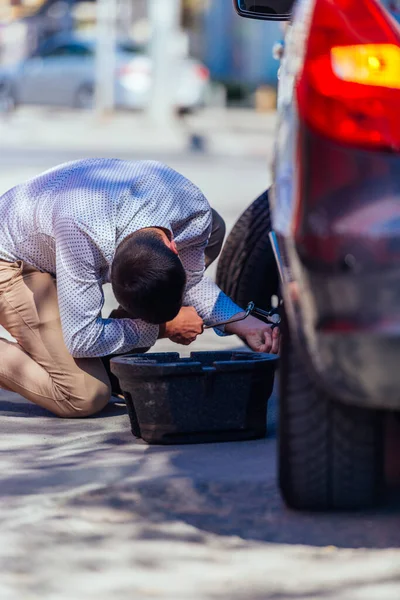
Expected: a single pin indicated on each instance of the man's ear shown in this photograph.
(169, 240)
(173, 247)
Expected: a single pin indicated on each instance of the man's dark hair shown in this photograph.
(148, 278)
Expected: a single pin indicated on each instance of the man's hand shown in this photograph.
(185, 328)
(258, 335)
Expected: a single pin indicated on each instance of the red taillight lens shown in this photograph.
(202, 72)
(349, 87)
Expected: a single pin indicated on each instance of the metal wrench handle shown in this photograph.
(247, 313)
(272, 316)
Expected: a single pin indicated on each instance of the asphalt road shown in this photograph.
(87, 512)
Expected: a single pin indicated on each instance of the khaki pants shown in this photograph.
(39, 367)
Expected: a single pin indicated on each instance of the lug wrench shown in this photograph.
(272, 316)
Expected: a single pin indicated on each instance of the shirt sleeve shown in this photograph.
(81, 299)
(210, 302)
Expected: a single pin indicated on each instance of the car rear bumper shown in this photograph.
(353, 335)
(342, 251)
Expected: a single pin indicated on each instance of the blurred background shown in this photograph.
(186, 82)
(50, 52)
(161, 79)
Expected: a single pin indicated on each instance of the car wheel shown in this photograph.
(84, 98)
(331, 454)
(247, 269)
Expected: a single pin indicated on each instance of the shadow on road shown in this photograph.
(224, 489)
(231, 490)
(333, 592)
(24, 409)
(255, 511)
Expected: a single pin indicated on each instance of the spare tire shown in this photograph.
(247, 269)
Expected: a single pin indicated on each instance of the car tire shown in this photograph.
(330, 453)
(247, 269)
(84, 98)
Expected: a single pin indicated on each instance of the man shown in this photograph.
(139, 225)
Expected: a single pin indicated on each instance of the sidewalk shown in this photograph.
(232, 132)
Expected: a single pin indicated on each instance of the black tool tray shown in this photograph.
(209, 397)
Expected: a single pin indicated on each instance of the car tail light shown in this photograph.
(202, 72)
(368, 64)
(349, 85)
(347, 89)
(133, 69)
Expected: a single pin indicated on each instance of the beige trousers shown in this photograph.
(39, 366)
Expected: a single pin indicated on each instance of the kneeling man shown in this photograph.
(140, 226)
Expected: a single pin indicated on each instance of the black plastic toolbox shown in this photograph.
(209, 397)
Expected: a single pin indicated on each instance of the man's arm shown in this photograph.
(81, 300)
(214, 306)
(202, 293)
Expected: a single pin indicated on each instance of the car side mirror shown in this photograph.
(267, 10)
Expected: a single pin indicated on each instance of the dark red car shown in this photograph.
(335, 211)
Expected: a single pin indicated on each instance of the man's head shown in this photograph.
(147, 276)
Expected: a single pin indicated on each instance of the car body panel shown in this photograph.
(338, 236)
(53, 81)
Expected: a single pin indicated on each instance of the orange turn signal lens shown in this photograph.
(368, 64)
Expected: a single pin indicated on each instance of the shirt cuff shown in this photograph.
(220, 331)
(224, 310)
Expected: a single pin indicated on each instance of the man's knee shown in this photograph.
(97, 400)
(216, 240)
(96, 397)
(218, 230)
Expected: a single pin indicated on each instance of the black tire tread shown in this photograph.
(247, 269)
(331, 454)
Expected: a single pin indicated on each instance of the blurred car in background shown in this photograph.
(62, 73)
